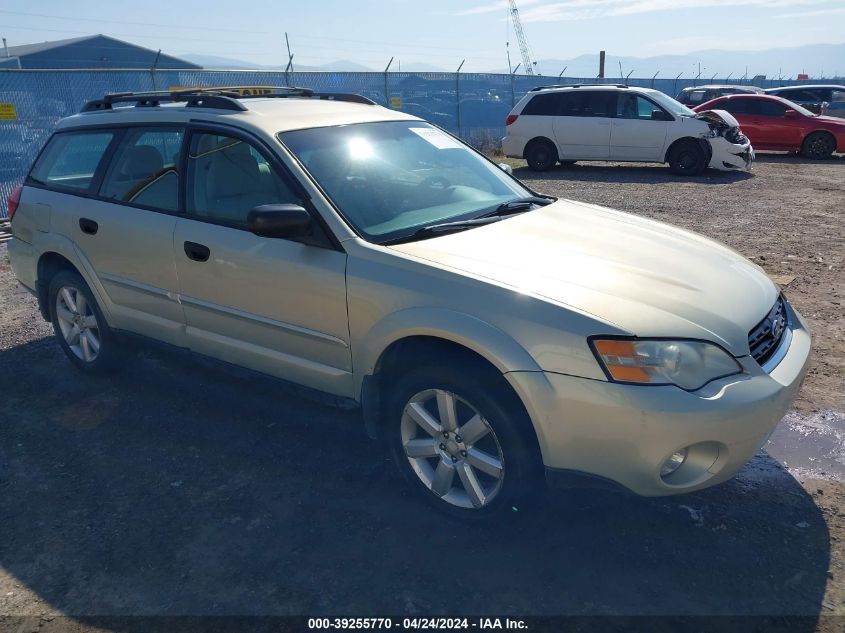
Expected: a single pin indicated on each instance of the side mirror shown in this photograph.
(278, 220)
(790, 114)
(506, 168)
(659, 115)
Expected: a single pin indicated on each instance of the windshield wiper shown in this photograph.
(518, 206)
(442, 228)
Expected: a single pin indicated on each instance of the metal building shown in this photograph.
(92, 51)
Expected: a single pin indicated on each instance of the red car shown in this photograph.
(774, 123)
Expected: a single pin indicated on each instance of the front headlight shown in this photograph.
(688, 364)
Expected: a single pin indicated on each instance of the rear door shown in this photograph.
(637, 132)
(122, 218)
(274, 305)
(582, 124)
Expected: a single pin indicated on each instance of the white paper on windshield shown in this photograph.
(436, 137)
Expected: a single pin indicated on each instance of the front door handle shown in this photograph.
(197, 252)
(88, 226)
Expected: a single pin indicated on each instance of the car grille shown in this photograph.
(763, 340)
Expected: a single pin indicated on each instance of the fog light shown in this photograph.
(673, 463)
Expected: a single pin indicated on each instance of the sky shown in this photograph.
(436, 32)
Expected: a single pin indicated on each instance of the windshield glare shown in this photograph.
(675, 107)
(389, 179)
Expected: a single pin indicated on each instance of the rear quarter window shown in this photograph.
(70, 159)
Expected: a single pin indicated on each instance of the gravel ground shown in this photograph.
(176, 487)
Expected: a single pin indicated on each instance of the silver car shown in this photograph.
(493, 337)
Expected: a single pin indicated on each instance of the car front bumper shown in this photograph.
(624, 433)
(729, 156)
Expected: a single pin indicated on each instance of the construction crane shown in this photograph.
(527, 62)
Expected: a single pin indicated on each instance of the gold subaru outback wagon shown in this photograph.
(493, 336)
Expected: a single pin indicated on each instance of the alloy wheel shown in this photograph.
(78, 323)
(452, 448)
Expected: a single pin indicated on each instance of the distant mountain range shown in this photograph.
(817, 60)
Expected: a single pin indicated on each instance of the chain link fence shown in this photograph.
(473, 106)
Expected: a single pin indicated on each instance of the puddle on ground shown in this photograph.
(811, 445)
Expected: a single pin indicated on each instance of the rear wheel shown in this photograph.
(541, 155)
(79, 325)
(686, 158)
(818, 146)
(460, 438)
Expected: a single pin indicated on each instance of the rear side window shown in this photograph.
(145, 169)
(735, 106)
(70, 159)
(543, 105)
(599, 103)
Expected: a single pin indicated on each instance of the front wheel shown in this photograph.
(461, 440)
(79, 324)
(686, 158)
(818, 146)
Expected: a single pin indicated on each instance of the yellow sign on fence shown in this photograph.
(8, 112)
(396, 102)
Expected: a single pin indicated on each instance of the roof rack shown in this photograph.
(222, 98)
(576, 86)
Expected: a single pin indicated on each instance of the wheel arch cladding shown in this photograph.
(49, 265)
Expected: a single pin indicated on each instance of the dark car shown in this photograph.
(829, 100)
(696, 95)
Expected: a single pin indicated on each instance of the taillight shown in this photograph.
(511, 118)
(14, 200)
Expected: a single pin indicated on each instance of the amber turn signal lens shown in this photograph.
(620, 359)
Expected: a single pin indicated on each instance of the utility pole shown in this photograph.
(289, 67)
(458, 94)
(621, 76)
(601, 65)
(386, 92)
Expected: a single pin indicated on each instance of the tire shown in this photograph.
(818, 146)
(455, 473)
(79, 324)
(686, 158)
(541, 155)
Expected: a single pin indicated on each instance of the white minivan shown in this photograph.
(621, 123)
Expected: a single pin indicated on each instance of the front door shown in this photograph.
(639, 129)
(274, 305)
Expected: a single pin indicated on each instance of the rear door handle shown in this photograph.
(88, 226)
(197, 252)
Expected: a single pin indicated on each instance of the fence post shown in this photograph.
(458, 96)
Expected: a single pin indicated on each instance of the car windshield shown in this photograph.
(389, 179)
(667, 102)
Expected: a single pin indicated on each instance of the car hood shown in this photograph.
(640, 276)
(718, 116)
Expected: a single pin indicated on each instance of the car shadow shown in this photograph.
(643, 173)
(174, 487)
(797, 159)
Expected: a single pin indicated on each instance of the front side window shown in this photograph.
(631, 106)
(228, 177)
(145, 169)
(390, 178)
(768, 108)
(70, 159)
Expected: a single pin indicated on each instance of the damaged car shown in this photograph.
(581, 122)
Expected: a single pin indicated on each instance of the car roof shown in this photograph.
(806, 86)
(719, 86)
(271, 115)
(568, 88)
